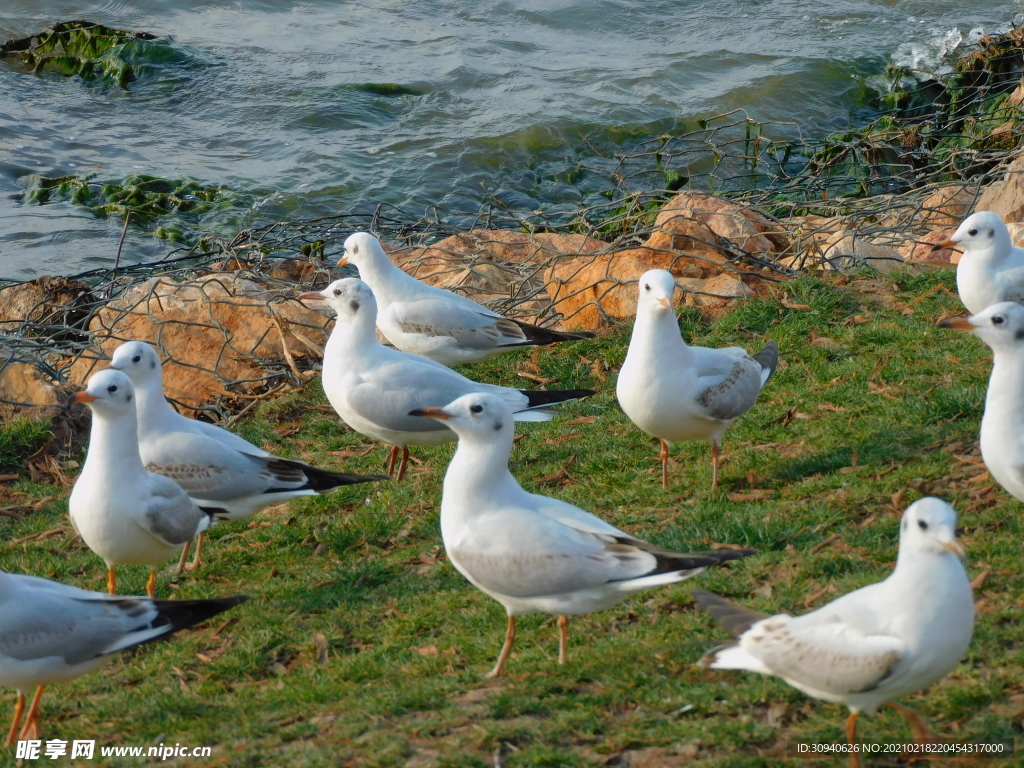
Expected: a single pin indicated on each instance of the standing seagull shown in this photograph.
(1001, 326)
(436, 323)
(215, 467)
(991, 270)
(531, 552)
(875, 644)
(50, 632)
(373, 388)
(126, 514)
(677, 392)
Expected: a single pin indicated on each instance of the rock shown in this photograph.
(921, 248)
(592, 291)
(494, 267)
(947, 206)
(1016, 234)
(695, 222)
(23, 384)
(848, 250)
(51, 301)
(219, 331)
(1005, 196)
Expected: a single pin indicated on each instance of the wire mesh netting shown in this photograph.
(731, 206)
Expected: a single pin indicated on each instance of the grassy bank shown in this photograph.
(364, 647)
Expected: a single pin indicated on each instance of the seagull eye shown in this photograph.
(922, 525)
(136, 358)
(647, 287)
(476, 408)
(112, 388)
(997, 320)
(337, 291)
(973, 232)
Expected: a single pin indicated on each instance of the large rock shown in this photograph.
(23, 384)
(947, 206)
(592, 291)
(499, 268)
(695, 222)
(218, 330)
(849, 250)
(921, 249)
(1005, 196)
(46, 301)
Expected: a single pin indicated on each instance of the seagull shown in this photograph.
(531, 552)
(436, 323)
(1001, 326)
(373, 388)
(51, 632)
(677, 392)
(215, 467)
(125, 513)
(875, 644)
(991, 270)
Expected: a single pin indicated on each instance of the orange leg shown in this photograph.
(851, 737)
(394, 458)
(197, 561)
(922, 735)
(405, 460)
(563, 638)
(664, 464)
(31, 729)
(184, 557)
(714, 466)
(506, 649)
(111, 581)
(151, 584)
(19, 710)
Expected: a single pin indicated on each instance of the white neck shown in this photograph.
(656, 336)
(479, 473)
(154, 413)
(113, 451)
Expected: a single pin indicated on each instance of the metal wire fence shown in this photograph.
(731, 206)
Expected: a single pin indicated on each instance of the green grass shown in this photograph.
(868, 415)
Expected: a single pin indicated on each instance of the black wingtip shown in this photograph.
(537, 398)
(542, 337)
(182, 614)
(316, 479)
(768, 358)
(737, 619)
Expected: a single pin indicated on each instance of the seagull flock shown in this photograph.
(154, 480)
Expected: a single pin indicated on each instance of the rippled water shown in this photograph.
(264, 102)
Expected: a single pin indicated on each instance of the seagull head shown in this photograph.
(476, 414)
(361, 248)
(1001, 326)
(979, 232)
(657, 290)
(108, 392)
(350, 298)
(929, 525)
(139, 361)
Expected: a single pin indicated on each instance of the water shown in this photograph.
(264, 103)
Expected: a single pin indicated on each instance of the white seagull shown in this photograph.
(430, 321)
(51, 632)
(1001, 326)
(124, 513)
(991, 270)
(673, 391)
(875, 644)
(373, 388)
(531, 552)
(215, 467)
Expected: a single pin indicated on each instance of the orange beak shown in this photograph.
(945, 244)
(956, 548)
(957, 324)
(83, 397)
(343, 262)
(665, 303)
(431, 413)
(311, 296)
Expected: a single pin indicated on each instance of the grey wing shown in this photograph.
(470, 328)
(387, 394)
(521, 553)
(169, 514)
(230, 439)
(42, 624)
(823, 653)
(206, 468)
(573, 516)
(729, 387)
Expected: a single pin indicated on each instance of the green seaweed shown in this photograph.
(91, 51)
(386, 89)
